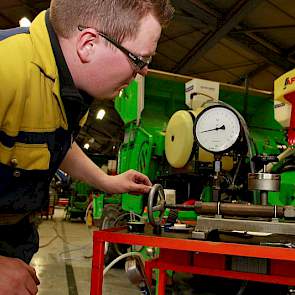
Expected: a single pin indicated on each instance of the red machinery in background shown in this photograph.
(284, 94)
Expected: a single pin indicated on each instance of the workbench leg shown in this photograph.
(149, 271)
(97, 268)
(162, 282)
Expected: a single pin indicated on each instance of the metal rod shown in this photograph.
(231, 209)
(264, 198)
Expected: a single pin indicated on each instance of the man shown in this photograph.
(75, 52)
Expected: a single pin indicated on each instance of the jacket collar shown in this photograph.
(43, 57)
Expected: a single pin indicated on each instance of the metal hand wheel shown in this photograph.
(156, 203)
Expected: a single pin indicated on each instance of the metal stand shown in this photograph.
(198, 257)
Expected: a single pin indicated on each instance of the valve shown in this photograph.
(156, 203)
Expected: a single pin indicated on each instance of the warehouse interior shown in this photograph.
(212, 126)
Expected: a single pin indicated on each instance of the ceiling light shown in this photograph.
(24, 22)
(100, 114)
(86, 146)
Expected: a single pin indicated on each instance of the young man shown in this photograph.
(75, 52)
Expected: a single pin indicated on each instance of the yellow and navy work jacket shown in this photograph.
(41, 112)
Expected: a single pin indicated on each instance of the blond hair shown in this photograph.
(119, 18)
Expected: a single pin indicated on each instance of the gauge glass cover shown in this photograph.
(217, 129)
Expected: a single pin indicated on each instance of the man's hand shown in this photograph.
(130, 181)
(16, 277)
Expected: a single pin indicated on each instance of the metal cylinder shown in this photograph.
(231, 209)
(264, 181)
(264, 198)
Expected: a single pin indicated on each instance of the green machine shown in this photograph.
(147, 107)
(78, 201)
(169, 136)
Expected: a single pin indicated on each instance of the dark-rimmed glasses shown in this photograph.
(139, 61)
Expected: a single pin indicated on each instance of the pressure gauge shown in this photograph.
(217, 128)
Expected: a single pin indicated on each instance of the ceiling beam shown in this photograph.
(206, 8)
(237, 13)
(225, 68)
(191, 9)
(190, 20)
(262, 29)
(261, 67)
(272, 56)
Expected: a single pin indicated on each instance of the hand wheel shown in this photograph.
(156, 203)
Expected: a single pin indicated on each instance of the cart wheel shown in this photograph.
(156, 203)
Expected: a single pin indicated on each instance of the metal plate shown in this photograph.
(207, 224)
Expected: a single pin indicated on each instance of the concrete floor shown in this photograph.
(63, 263)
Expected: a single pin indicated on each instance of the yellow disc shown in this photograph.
(179, 138)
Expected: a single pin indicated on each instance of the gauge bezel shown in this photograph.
(201, 114)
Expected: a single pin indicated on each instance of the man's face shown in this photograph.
(110, 70)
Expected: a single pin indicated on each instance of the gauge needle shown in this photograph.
(217, 128)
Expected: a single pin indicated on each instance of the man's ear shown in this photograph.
(86, 45)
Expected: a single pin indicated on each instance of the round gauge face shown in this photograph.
(217, 129)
